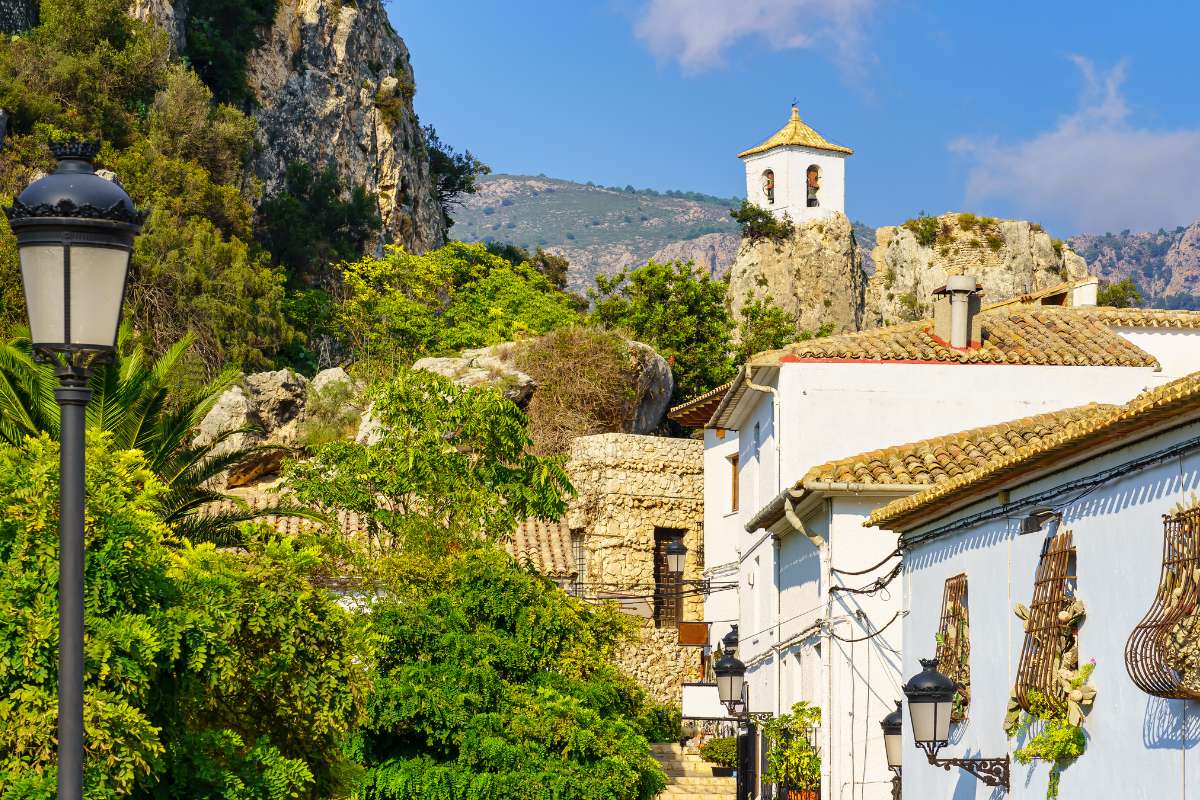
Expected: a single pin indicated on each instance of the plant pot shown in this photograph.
(722, 772)
(803, 794)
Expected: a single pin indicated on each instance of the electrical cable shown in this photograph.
(886, 559)
(875, 586)
(878, 631)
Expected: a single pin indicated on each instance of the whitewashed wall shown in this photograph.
(790, 165)
(720, 548)
(1139, 747)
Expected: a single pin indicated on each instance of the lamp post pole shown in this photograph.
(75, 233)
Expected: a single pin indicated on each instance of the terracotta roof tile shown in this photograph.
(1029, 335)
(937, 460)
(697, 411)
(1177, 398)
(545, 545)
(1144, 317)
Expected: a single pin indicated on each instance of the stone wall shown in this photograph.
(628, 486)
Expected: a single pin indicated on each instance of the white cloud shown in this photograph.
(697, 32)
(1096, 170)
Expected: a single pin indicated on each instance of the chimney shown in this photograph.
(955, 312)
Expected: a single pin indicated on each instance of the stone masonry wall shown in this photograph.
(629, 485)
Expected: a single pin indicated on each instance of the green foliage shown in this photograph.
(1049, 736)
(680, 312)
(492, 683)
(1120, 294)
(762, 326)
(661, 723)
(792, 759)
(454, 174)
(330, 414)
(402, 306)
(758, 223)
(308, 225)
(911, 307)
(554, 267)
(450, 465)
(721, 751)
(219, 36)
(208, 674)
(925, 228)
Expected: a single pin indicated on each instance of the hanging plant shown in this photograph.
(1052, 728)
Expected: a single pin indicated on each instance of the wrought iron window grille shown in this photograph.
(954, 642)
(1043, 651)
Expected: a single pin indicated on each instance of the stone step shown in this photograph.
(704, 780)
(690, 771)
(681, 793)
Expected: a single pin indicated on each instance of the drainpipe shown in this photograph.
(778, 424)
(777, 549)
(960, 288)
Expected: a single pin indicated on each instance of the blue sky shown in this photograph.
(1084, 116)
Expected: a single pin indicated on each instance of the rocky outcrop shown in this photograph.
(1162, 263)
(333, 85)
(17, 16)
(1009, 257)
(266, 409)
(712, 252)
(815, 275)
(489, 366)
(649, 374)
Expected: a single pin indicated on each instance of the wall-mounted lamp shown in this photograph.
(892, 737)
(1037, 520)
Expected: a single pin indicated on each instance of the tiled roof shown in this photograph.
(796, 133)
(544, 545)
(1177, 398)
(936, 460)
(699, 410)
(1144, 317)
(1060, 294)
(1030, 335)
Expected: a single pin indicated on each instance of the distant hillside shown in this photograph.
(1165, 264)
(603, 229)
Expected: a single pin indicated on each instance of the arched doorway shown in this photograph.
(813, 181)
(768, 185)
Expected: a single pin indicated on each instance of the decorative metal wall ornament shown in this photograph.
(954, 642)
(1050, 642)
(1162, 654)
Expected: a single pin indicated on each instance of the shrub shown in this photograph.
(924, 228)
(911, 307)
(758, 223)
(1120, 294)
(721, 751)
(220, 35)
(662, 723)
(792, 759)
(331, 414)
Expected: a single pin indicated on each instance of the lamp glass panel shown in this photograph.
(942, 723)
(922, 717)
(729, 687)
(42, 273)
(675, 562)
(891, 746)
(97, 289)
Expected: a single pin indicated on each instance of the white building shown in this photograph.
(1104, 512)
(797, 172)
(787, 499)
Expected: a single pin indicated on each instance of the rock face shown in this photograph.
(1162, 263)
(653, 389)
(333, 85)
(815, 275)
(1009, 257)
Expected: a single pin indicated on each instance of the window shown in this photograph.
(1162, 655)
(954, 643)
(733, 482)
(667, 585)
(812, 180)
(768, 186)
(1050, 644)
(578, 557)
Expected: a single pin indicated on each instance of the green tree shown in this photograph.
(758, 223)
(220, 35)
(491, 682)
(208, 674)
(307, 226)
(677, 309)
(403, 306)
(454, 174)
(762, 325)
(448, 466)
(1121, 294)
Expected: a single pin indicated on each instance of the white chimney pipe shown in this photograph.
(960, 288)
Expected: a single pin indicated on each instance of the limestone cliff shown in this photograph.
(815, 275)
(333, 85)
(1009, 257)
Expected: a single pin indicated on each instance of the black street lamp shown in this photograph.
(731, 680)
(735, 696)
(892, 737)
(676, 554)
(930, 702)
(74, 234)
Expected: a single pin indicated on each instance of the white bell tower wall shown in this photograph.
(789, 165)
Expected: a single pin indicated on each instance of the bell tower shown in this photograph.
(797, 172)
